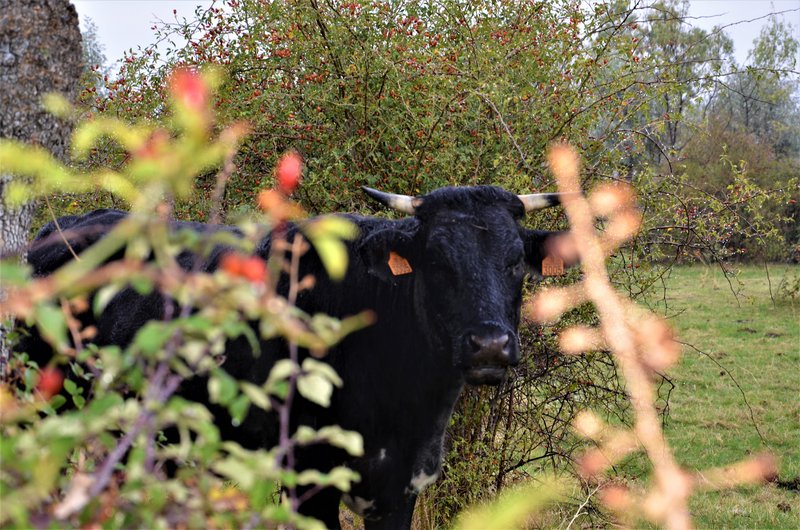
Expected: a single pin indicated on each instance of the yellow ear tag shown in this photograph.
(552, 266)
(398, 264)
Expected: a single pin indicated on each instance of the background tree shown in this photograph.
(40, 52)
(681, 64)
(762, 97)
(747, 146)
(95, 63)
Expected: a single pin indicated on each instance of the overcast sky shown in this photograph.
(125, 24)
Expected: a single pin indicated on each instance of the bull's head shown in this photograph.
(468, 257)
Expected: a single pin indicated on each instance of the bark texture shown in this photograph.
(40, 52)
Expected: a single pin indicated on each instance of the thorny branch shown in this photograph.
(642, 345)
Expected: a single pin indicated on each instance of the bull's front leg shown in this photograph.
(323, 505)
(397, 519)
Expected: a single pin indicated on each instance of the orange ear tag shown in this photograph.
(552, 266)
(398, 264)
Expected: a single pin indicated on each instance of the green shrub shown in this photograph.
(95, 453)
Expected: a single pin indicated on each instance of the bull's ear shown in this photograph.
(543, 244)
(387, 254)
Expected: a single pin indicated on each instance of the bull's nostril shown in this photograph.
(504, 342)
(476, 342)
(492, 345)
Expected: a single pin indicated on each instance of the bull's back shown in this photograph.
(58, 241)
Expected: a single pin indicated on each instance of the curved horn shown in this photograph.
(401, 203)
(537, 201)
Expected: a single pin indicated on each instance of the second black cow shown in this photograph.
(450, 319)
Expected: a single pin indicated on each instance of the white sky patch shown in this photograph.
(124, 25)
(743, 19)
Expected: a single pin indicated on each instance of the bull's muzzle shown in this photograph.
(491, 350)
(490, 353)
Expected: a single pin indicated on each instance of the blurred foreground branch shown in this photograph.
(642, 345)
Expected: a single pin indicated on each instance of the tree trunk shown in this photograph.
(40, 52)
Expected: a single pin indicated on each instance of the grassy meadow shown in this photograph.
(736, 393)
(737, 387)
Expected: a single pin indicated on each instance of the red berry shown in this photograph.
(189, 88)
(50, 382)
(232, 264)
(289, 171)
(254, 269)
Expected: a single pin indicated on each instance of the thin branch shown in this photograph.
(58, 228)
(579, 512)
(736, 383)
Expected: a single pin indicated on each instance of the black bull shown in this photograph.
(452, 319)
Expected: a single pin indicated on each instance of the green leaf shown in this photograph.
(326, 234)
(280, 372)
(222, 388)
(333, 226)
(51, 324)
(102, 405)
(279, 389)
(13, 273)
(238, 409)
(47, 174)
(70, 387)
(260, 493)
(57, 105)
(350, 441)
(256, 395)
(88, 133)
(152, 337)
(340, 477)
(315, 388)
(197, 324)
(57, 401)
(235, 327)
(104, 296)
(323, 369)
(309, 476)
(513, 507)
(333, 254)
(143, 286)
(46, 471)
(237, 470)
(277, 513)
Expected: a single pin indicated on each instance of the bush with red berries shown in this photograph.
(81, 438)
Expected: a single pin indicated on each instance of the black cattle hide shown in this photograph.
(452, 319)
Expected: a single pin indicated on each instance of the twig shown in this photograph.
(228, 167)
(506, 128)
(285, 454)
(144, 421)
(58, 227)
(642, 345)
(735, 382)
(613, 324)
(578, 513)
(163, 385)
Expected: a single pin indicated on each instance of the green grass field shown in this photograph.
(736, 393)
(737, 388)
